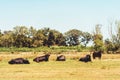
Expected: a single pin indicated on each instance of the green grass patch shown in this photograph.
(46, 49)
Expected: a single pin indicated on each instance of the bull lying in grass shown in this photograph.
(19, 61)
(61, 58)
(87, 58)
(42, 58)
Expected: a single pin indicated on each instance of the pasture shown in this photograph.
(106, 69)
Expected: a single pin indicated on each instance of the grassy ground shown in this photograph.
(106, 69)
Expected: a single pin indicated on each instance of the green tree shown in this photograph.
(38, 39)
(86, 38)
(6, 40)
(72, 37)
(108, 46)
(32, 32)
(20, 41)
(51, 39)
(98, 38)
(20, 30)
(59, 38)
(115, 35)
(0, 38)
(21, 34)
(45, 31)
(31, 37)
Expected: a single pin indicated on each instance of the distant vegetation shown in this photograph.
(30, 39)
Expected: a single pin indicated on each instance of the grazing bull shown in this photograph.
(87, 58)
(61, 58)
(42, 58)
(97, 54)
(19, 61)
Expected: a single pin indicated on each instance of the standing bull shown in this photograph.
(19, 61)
(97, 54)
(42, 58)
(87, 58)
(61, 58)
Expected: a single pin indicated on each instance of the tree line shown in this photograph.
(21, 36)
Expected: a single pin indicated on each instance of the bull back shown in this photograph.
(61, 58)
(42, 58)
(87, 58)
(19, 61)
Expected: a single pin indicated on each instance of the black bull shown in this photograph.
(97, 54)
(19, 61)
(87, 58)
(42, 58)
(61, 58)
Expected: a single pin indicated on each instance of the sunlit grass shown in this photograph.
(72, 69)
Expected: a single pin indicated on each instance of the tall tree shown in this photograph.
(38, 39)
(86, 38)
(51, 39)
(45, 32)
(59, 38)
(6, 40)
(109, 46)
(32, 31)
(21, 36)
(21, 30)
(0, 38)
(98, 38)
(115, 35)
(72, 37)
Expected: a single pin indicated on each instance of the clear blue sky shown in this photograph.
(61, 15)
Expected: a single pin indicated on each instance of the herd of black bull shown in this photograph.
(87, 58)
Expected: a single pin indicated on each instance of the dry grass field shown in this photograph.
(106, 69)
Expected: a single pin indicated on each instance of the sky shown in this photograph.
(61, 15)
